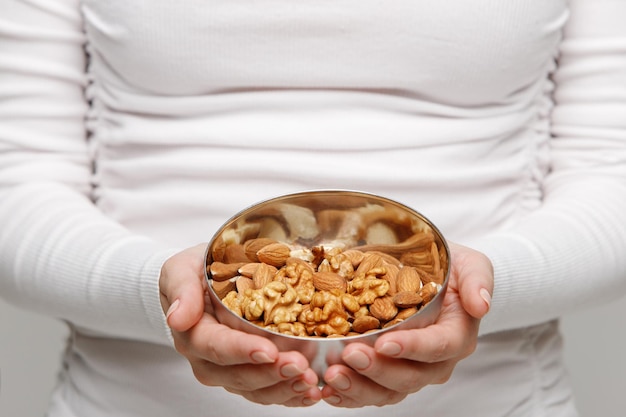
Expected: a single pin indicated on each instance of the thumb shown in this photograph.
(474, 279)
(182, 288)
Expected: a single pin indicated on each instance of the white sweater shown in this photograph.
(503, 122)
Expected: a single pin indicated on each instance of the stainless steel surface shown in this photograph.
(324, 217)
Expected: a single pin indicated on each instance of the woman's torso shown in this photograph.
(202, 108)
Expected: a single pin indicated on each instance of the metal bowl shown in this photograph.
(328, 218)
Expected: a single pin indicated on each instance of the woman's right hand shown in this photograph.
(244, 364)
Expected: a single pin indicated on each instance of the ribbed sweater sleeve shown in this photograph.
(59, 255)
(570, 253)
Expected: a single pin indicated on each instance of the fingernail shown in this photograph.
(390, 349)
(300, 386)
(290, 370)
(358, 360)
(261, 357)
(333, 399)
(340, 382)
(308, 401)
(484, 294)
(172, 308)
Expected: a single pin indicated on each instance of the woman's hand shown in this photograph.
(248, 365)
(402, 362)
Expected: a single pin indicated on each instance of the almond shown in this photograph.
(405, 313)
(383, 308)
(263, 275)
(326, 281)
(221, 272)
(429, 291)
(324, 266)
(243, 283)
(364, 324)
(252, 246)
(392, 322)
(355, 256)
(275, 254)
(247, 270)
(370, 261)
(405, 299)
(391, 276)
(222, 288)
(408, 280)
(234, 253)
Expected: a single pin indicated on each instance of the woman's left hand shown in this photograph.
(402, 362)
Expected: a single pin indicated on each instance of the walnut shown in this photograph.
(233, 301)
(253, 304)
(277, 302)
(368, 288)
(291, 329)
(326, 315)
(327, 290)
(299, 274)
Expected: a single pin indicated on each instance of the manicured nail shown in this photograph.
(261, 357)
(300, 386)
(172, 308)
(358, 360)
(333, 399)
(340, 382)
(290, 370)
(484, 294)
(308, 401)
(390, 349)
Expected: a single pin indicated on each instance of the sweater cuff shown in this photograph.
(150, 293)
(514, 287)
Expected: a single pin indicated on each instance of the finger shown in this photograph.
(296, 392)
(452, 337)
(248, 377)
(347, 388)
(212, 341)
(475, 283)
(401, 375)
(182, 288)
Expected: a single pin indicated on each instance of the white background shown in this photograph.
(595, 341)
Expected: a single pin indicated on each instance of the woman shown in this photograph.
(131, 131)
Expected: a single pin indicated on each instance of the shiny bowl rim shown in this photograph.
(330, 191)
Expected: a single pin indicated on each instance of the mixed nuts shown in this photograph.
(331, 289)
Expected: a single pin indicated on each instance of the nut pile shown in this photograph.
(327, 290)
